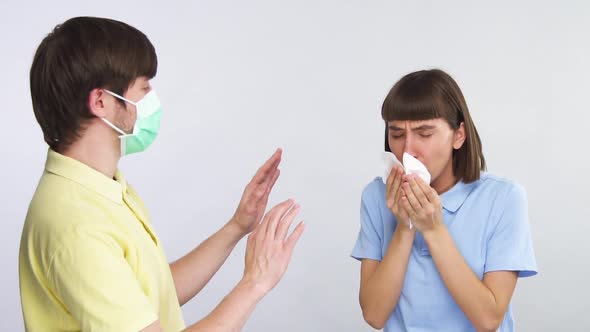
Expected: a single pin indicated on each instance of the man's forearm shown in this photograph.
(233, 312)
(193, 271)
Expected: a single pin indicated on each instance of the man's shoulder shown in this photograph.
(58, 207)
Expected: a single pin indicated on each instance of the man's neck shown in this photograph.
(97, 148)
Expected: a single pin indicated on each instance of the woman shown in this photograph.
(457, 268)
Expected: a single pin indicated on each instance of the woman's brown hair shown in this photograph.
(433, 94)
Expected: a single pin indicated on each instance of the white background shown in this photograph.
(240, 78)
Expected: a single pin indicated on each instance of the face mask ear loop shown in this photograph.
(113, 126)
(107, 121)
(121, 97)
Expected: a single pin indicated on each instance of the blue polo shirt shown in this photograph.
(487, 219)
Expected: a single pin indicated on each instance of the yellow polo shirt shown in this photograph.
(89, 259)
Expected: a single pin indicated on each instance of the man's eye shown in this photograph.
(425, 135)
(397, 136)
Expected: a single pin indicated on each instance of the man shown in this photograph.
(89, 257)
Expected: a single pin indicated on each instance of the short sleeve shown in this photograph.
(370, 238)
(510, 246)
(91, 277)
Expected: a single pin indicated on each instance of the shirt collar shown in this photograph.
(86, 176)
(456, 196)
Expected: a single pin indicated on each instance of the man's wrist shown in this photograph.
(253, 288)
(234, 229)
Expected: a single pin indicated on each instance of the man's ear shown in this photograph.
(460, 137)
(96, 103)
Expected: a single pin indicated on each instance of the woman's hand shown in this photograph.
(421, 203)
(393, 195)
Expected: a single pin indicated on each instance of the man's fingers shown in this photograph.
(271, 184)
(260, 199)
(268, 167)
(284, 224)
(258, 193)
(274, 215)
(294, 237)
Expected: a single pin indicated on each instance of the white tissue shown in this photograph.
(389, 161)
(410, 165)
(414, 166)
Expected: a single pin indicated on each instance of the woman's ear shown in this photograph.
(460, 136)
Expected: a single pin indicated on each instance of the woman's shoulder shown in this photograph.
(499, 184)
(499, 191)
(374, 189)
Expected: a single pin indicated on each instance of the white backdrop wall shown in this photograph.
(241, 78)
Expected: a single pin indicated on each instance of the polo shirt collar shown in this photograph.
(456, 196)
(86, 176)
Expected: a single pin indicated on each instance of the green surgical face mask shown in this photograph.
(146, 126)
